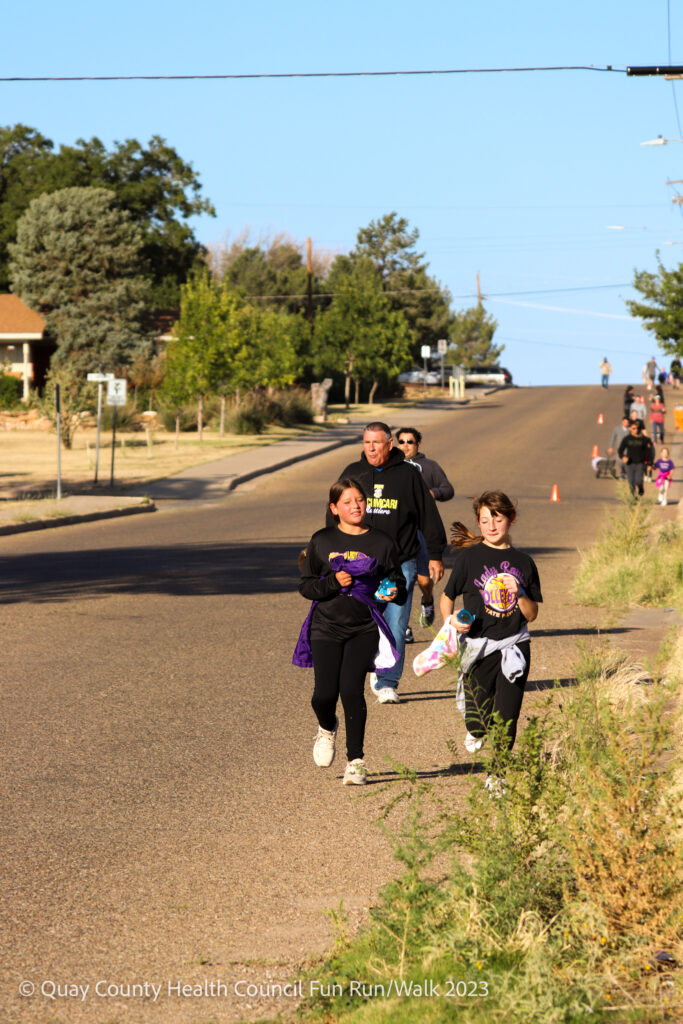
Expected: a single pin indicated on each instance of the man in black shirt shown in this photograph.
(634, 451)
(441, 489)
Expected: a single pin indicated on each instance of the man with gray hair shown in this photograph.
(399, 503)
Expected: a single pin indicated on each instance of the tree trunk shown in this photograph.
(177, 430)
(371, 397)
(237, 398)
(200, 417)
(222, 415)
(347, 391)
(357, 383)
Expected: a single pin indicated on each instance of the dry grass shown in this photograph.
(29, 457)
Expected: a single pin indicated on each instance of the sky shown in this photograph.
(536, 181)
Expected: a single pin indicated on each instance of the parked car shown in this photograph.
(496, 376)
(418, 376)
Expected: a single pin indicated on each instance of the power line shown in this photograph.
(305, 74)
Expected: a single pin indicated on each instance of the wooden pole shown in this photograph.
(309, 271)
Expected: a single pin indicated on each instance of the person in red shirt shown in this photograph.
(657, 412)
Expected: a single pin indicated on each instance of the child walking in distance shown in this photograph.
(350, 571)
(665, 467)
(501, 591)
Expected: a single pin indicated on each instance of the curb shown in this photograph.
(72, 520)
(244, 477)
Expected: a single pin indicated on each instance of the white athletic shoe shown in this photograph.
(472, 744)
(355, 773)
(374, 685)
(323, 748)
(387, 695)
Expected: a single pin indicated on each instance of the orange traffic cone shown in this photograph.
(555, 493)
(595, 454)
(601, 420)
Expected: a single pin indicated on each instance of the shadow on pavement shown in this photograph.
(583, 631)
(183, 571)
(549, 684)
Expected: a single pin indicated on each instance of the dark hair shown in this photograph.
(338, 488)
(378, 425)
(497, 502)
(409, 430)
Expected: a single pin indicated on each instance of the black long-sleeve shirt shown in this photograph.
(340, 614)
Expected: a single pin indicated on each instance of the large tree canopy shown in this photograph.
(158, 189)
(360, 335)
(76, 261)
(390, 244)
(662, 313)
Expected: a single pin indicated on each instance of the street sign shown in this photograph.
(100, 378)
(116, 391)
(425, 351)
(442, 346)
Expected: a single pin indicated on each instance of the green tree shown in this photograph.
(471, 335)
(223, 345)
(75, 261)
(76, 396)
(153, 183)
(202, 346)
(390, 244)
(360, 335)
(662, 312)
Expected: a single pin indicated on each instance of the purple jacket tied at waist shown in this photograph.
(365, 579)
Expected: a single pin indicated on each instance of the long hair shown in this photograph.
(338, 488)
(497, 502)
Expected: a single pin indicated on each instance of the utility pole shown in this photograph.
(478, 291)
(309, 271)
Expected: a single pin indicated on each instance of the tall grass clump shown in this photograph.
(550, 903)
(634, 561)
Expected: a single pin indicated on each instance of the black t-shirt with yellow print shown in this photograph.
(477, 576)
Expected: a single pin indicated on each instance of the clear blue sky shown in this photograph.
(515, 176)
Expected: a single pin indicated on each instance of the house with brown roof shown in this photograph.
(25, 352)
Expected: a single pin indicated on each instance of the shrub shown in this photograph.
(10, 391)
(248, 419)
(295, 407)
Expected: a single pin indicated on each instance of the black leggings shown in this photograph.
(340, 667)
(488, 691)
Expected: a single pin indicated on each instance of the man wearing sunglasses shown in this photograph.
(441, 489)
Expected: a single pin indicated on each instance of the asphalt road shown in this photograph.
(163, 820)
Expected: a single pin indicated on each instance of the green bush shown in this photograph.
(295, 407)
(10, 391)
(248, 419)
(126, 417)
(188, 418)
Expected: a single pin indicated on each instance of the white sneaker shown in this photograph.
(355, 773)
(473, 744)
(387, 695)
(323, 748)
(374, 685)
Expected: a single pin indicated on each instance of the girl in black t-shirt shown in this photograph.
(501, 589)
(345, 636)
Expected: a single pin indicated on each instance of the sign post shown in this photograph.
(99, 379)
(116, 396)
(442, 348)
(425, 352)
(58, 410)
